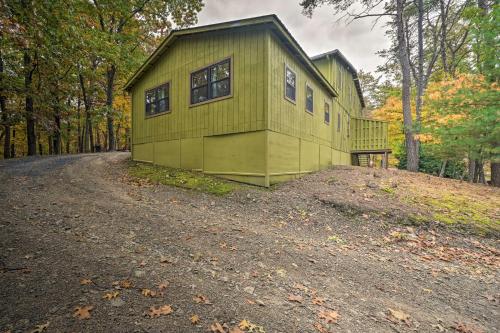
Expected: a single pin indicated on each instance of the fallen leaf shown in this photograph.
(217, 328)
(318, 301)
(320, 328)
(163, 286)
(397, 315)
(244, 324)
(40, 328)
(111, 295)
(148, 293)
(200, 299)
(194, 319)
(126, 284)
(295, 298)
(160, 310)
(466, 328)
(85, 282)
(83, 312)
(330, 317)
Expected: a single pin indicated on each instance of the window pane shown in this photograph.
(290, 78)
(162, 105)
(162, 91)
(150, 97)
(199, 95)
(290, 92)
(199, 78)
(309, 99)
(220, 71)
(220, 88)
(327, 113)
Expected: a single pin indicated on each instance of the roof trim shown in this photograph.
(336, 53)
(272, 20)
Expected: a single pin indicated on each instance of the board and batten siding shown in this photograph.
(242, 112)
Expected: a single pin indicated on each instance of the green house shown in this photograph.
(242, 100)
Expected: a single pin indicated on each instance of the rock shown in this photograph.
(117, 302)
(249, 289)
(139, 273)
(261, 303)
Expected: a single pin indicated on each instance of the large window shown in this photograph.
(309, 99)
(290, 84)
(211, 82)
(327, 113)
(158, 100)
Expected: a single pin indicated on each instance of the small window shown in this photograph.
(158, 100)
(327, 113)
(338, 122)
(290, 84)
(309, 99)
(211, 82)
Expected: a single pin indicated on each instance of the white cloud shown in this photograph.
(321, 33)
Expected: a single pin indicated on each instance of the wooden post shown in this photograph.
(385, 161)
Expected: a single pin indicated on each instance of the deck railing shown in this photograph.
(368, 135)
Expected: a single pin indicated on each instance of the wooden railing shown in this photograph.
(368, 135)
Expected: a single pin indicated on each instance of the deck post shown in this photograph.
(385, 160)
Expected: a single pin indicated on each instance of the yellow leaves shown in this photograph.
(83, 312)
(86, 282)
(111, 295)
(194, 319)
(162, 286)
(40, 328)
(330, 317)
(159, 311)
(244, 324)
(397, 316)
(125, 284)
(149, 293)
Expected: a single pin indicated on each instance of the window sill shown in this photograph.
(291, 100)
(158, 114)
(211, 100)
(310, 112)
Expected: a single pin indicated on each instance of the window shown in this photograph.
(290, 84)
(158, 100)
(338, 122)
(309, 99)
(327, 113)
(211, 82)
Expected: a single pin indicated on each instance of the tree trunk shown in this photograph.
(30, 120)
(110, 80)
(443, 14)
(51, 151)
(495, 174)
(117, 135)
(3, 109)
(443, 168)
(68, 136)
(411, 145)
(472, 169)
(79, 127)
(57, 133)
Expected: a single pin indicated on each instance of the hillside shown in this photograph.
(342, 250)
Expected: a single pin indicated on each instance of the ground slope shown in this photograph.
(296, 258)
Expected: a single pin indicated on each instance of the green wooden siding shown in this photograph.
(243, 112)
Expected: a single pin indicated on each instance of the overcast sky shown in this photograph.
(321, 33)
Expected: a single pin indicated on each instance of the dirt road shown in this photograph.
(76, 232)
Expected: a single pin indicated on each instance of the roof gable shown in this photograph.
(269, 21)
(343, 60)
